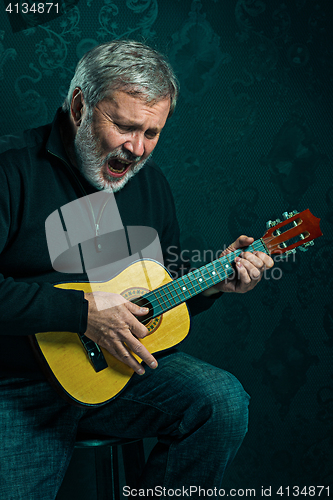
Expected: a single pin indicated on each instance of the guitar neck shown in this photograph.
(179, 290)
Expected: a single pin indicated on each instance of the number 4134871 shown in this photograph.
(36, 8)
(311, 491)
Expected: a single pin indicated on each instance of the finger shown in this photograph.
(137, 310)
(139, 350)
(243, 274)
(267, 260)
(142, 352)
(258, 259)
(253, 272)
(242, 241)
(126, 348)
(122, 342)
(135, 326)
(254, 259)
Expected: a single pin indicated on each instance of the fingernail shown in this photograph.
(239, 264)
(144, 310)
(141, 371)
(153, 364)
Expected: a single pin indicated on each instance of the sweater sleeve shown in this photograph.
(28, 308)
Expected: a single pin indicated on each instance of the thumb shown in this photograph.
(242, 241)
(137, 310)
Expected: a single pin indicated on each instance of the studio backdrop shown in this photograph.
(251, 138)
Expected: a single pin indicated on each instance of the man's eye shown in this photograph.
(124, 128)
(150, 135)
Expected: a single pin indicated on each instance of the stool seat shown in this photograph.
(107, 464)
(87, 440)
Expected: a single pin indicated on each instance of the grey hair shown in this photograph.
(125, 65)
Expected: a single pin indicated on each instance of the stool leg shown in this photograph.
(134, 462)
(107, 473)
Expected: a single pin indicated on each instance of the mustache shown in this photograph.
(122, 155)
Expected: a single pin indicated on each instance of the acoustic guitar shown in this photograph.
(88, 375)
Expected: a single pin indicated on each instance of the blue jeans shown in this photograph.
(199, 414)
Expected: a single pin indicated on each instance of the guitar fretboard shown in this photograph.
(179, 290)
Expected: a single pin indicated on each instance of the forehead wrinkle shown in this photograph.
(114, 98)
(123, 119)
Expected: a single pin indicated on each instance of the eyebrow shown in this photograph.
(130, 124)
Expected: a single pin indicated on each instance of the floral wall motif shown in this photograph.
(251, 138)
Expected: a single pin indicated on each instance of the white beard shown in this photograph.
(92, 164)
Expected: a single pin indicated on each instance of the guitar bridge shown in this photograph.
(94, 352)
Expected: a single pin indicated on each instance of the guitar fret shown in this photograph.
(161, 296)
(185, 290)
(172, 284)
(263, 248)
(209, 276)
(198, 284)
(159, 303)
(215, 270)
(177, 300)
(201, 272)
(229, 263)
(166, 296)
(172, 301)
(202, 277)
(228, 268)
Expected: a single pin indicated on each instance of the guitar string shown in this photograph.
(202, 272)
(165, 289)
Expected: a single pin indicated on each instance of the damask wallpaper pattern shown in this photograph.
(251, 138)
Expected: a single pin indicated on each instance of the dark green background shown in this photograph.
(250, 139)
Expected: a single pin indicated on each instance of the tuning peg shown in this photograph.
(272, 223)
(288, 215)
(305, 246)
(288, 252)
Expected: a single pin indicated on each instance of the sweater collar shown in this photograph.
(54, 144)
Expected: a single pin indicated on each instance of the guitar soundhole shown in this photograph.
(136, 295)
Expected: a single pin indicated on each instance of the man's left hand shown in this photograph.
(249, 268)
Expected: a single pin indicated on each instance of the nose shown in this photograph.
(135, 145)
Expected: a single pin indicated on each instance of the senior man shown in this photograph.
(101, 140)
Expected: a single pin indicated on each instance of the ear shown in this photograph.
(77, 106)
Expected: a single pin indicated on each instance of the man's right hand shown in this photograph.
(112, 325)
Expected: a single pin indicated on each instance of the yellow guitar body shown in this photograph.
(67, 359)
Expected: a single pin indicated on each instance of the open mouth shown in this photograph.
(118, 167)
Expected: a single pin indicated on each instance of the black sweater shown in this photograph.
(36, 180)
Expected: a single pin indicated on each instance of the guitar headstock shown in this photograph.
(299, 229)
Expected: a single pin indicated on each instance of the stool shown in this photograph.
(106, 462)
